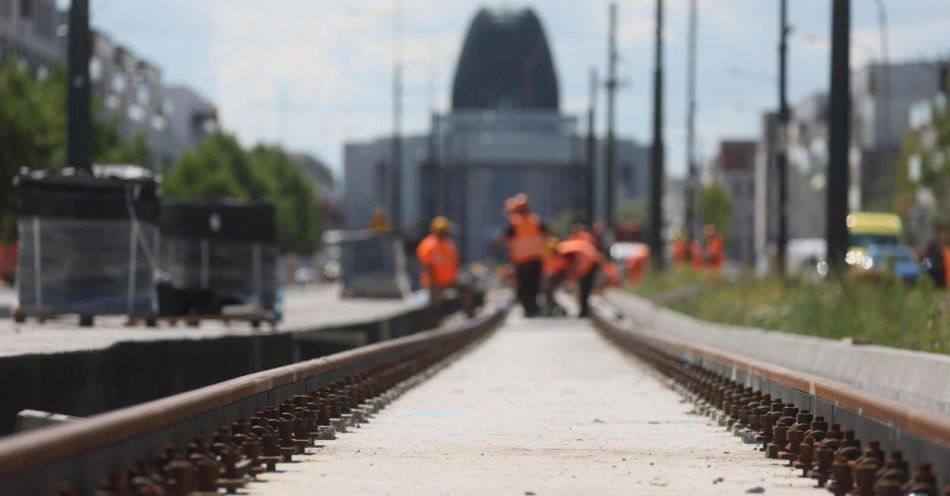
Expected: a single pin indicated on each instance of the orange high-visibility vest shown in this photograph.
(637, 263)
(438, 257)
(681, 250)
(611, 273)
(696, 252)
(715, 252)
(585, 255)
(527, 242)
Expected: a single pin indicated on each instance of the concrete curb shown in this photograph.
(913, 377)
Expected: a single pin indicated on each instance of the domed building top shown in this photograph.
(505, 64)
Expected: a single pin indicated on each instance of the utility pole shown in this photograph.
(839, 133)
(591, 171)
(692, 182)
(885, 84)
(79, 124)
(781, 152)
(611, 92)
(397, 120)
(656, 172)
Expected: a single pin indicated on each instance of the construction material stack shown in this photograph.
(87, 243)
(221, 259)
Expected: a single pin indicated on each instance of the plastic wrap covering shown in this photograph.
(374, 266)
(87, 244)
(85, 266)
(219, 254)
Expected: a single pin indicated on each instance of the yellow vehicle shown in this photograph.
(871, 228)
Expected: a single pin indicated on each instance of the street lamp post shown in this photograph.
(591, 173)
(656, 172)
(692, 182)
(781, 154)
(611, 84)
(397, 119)
(839, 134)
(79, 124)
(885, 85)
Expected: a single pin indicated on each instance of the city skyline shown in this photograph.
(345, 93)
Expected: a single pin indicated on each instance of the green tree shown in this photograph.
(221, 169)
(33, 132)
(562, 223)
(925, 166)
(636, 211)
(218, 169)
(717, 208)
(109, 147)
(299, 220)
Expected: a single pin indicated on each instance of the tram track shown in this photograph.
(222, 436)
(848, 440)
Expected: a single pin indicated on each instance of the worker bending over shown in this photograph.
(525, 236)
(439, 262)
(582, 259)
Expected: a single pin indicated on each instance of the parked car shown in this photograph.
(891, 258)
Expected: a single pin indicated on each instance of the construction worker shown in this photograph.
(611, 271)
(525, 236)
(637, 263)
(582, 259)
(580, 231)
(697, 255)
(715, 257)
(379, 224)
(439, 261)
(681, 250)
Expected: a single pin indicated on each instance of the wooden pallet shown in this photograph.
(88, 320)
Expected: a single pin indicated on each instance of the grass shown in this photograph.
(879, 311)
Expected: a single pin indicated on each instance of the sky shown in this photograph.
(314, 74)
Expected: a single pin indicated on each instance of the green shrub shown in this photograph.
(882, 311)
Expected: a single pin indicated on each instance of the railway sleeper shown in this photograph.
(242, 450)
(833, 457)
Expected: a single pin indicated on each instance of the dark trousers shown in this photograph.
(585, 286)
(529, 280)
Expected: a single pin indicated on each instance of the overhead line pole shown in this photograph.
(781, 153)
(611, 84)
(79, 124)
(692, 186)
(656, 152)
(886, 85)
(591, 172)
(397, 120)
(839, 131)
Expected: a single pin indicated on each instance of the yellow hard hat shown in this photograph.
(441, 224)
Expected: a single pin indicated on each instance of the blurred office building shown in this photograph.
(33, 31)
(504, 134)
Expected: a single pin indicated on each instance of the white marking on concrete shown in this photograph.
(542, 407)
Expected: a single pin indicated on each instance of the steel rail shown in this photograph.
(912, 428)
(117, 431)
